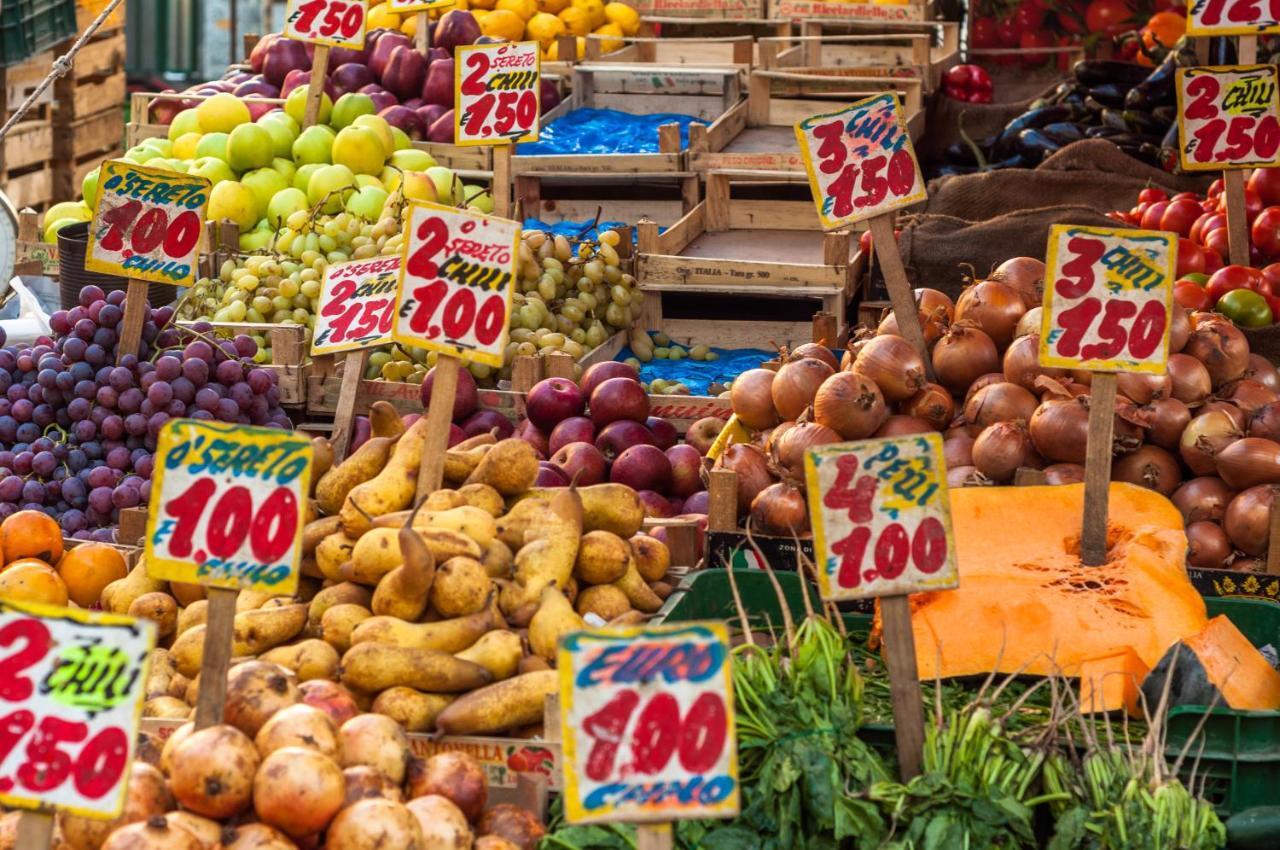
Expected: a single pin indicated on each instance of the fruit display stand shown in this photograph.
(932, 47)
(716, 10)
(665, 51)
(89, 128)
(26, 153)
(288, 355)
(877, 11)
(759, 135)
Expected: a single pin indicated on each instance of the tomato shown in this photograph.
(1230, 278)
(1007, 33)
(1190, 296)
(1213, 261)
(1215, 190)
(1179, 216)
(1190, 258)
(1151, 194)
(1196, 233)
(1186, 196)
(1109, 17)
(1266, 182)
(1265, 232)
(1271, 278)
(1215, 221)
(983, 35)
(1200, 279)
(1252, 204)
(864, 242)
(1151, 215)
(1032, 39)
(1246, 308)
(1028, 18)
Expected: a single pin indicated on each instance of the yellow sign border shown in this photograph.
(1229, 29)
(413, 8)
(1179, 83)
(290, 7)
(498, 141)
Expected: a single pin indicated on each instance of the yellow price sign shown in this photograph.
(1228, 117)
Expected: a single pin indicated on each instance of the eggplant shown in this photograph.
(1035, 145)
(1114, 118)
(1108, 94)
(1063, 132)
(1166, 115)
(1144, 122)
(1101, 132)
(1157, 88)
(1093, 72)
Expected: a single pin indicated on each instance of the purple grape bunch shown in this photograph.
(77, 430)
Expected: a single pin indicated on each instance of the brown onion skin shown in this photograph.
(1249, 461)
(1221, 347)
(958, 451)
(1151, 467)
(902, 426)
(1208, 546)
(934, 311)
(818, 351)
(1248, 565)
(983, 381)
(933, 404)
(752, 399)
(850, 404)
(1191, 382)
(1064, 473)
(1265, 422)
(893, 364)
(1203, 498)
(1248, 394)
(1025, 275)
(795, 385)
(1059, 429)
(963, 355)
(1000, 449)
(798, 439)
(1179, 329)
(1144, 389)
(752, 468)
(1261, 370)
(994, 307)
(1237, 416)
(1248, 519)
(1022, 363)
(1205, 436)
(1169, 418)
(1029, 323)
(1002, 402)
(780, 509)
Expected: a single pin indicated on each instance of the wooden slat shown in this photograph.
(684, 231)
(844, 11)
(102, 131)
(621, 163)
(80, 99)
(773, 215)
(673, 272)
(29, 143)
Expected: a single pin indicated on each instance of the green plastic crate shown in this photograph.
(30, 26)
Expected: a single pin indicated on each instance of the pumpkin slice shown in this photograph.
(1216, 662)
(1112, 683)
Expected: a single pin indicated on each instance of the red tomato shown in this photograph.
(1271, 277)
(983, 36)
(864, 242)
(1150, 195)
(1217, 242)
(1190, 258)
(1179, 216)
(1186, 196)
(1152, 215)
(1215, 221)
(1212, 261)
(1252, 204)
(1215, 189)
(1109, 17)
(1031, 39)
(1231, 277)
(1197, 229)
(1007, 33)
(1190, 296)
(1266, 182)
(1265, 231)
(1028, 17)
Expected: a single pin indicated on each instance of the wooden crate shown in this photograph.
(663, 199)
(87, 12)
(102, 56)
(288, 353)
(759, 134)
(30, 187)
(99, 133)
(736, 50)
(69, 174)
(77, 99)
(741, 10)
(19, 81)
(929, 49)
(879, 11)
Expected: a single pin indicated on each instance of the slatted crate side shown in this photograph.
(88, 10)
(29, 143)
(77, 99)
(887, 11)
(717, 9)
(32, 188)
(94, 134)
(69, 174)
(17, 82)
(102, 56)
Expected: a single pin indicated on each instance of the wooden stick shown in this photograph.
(1247, 50)
(266, 15)
(682, 542)
(217, 656)
(825, 329)
(525, 372)
(344, 416)
(722, 487)
(35, 830)
(439, 415)
(135, 316)
(501, 185)
(1273, 541)
(315, 88)
(1097, 469)
(1237, 224)
(423, 35)
(1026, 476)
(559, 365)
(654, 836)
(904, 686)
(900, 294)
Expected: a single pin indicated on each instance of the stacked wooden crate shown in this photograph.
(89, 104)
(26, 155)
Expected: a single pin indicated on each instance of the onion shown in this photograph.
(780, 509)
(1248, 519)
(1029, 323)
(1002, 402)
(1167, 419)
(1144, 389)
(752, 469)
(1265, 422)
(1191, 382)
(798, 439)
(994, 307)
(1261, 370)
(1203, 498)
(1151, 467)
(1205, 436)
(752, 399)
(1249, 461)
(1248, 395)
(983, 381)
(933, 404)
(894, 364)
(1000, 449)
(958, 451)
(902, 426)
(1059, 429)
(1022, 363)
(934, 311)
(1248, 565)
(1064, 473)
(850, 404)
(964, 476)
(1207, 545)
(1179, 329)
(795, 384)
(963, 355)
(1082, 376)
(818, 351)
(1237, 416)
(1025, 275)
(1221, 347)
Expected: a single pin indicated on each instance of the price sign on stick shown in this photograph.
(1107, 298)
(147, 223)
(70, 698)
(496, 92)
(333, 23)
(457, 273)
(646, 715)
(228, 505)
(1232, 17)
(1228, 117)
(860, 161)
(357, 305)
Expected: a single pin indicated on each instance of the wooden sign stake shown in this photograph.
(315, 88)
(35, 829)
(654, 836)
(501, 186)
(1097, 469)
(722, 511)
(1273, 540)
(444, 385)
(135, 316)
(344, 417)
(1233, 178)
(900, 295)
(423, 34)
(904, 683)
(216, 659)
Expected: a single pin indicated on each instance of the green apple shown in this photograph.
(478, 197)
(258, 238)
(186, 121)
(284, 204)
(295, 105)
(444, 178)
(282, 135)
(141, 154)
(367, 203)
(56, 224)
(350, 107)
(234, 201)
(285, 167)
(378, 123)
(360, 149)
(315, 144)
(302, 177)
(412, 159)
(264, 183)
(212, 168)
(391, 178)
(163, 146)
(89, 188)
(213, 144)
(282, 117)
(76, 210)
(402, 139)
(328, 184)
(248, 147)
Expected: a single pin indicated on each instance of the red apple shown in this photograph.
(617, 437)
(686, 470)
(703, 433)
(583, 460)
(655, 504)
(597, 373)
(575, 429)
(484, 421)
(698, 503)
(529, 432)
(465, 400)
(552, 401)
(550, 475)
(665, 434)
(456, 435)
(642, 468)
(619, 398)
(361, 431)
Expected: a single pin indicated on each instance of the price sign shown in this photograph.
(646, 715)
(860, 161)
(227, 507)
(457, 273)
(336, 23)
(357, 305)
(403, 6)
(1107, 308)
(1232, 17)
(147, 223)
(71, 692)
(881, 517)
(496, 89)
(1227, 117)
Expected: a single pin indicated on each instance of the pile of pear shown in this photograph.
(444, 615)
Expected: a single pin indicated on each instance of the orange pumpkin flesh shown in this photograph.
(1112, 683)
(1232, 665)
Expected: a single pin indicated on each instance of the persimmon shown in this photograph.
(32, 580)
(88, 568)
(30, 534)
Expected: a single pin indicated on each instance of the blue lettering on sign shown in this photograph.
(698, 790)
(282, 462)
(216, 569)
(641, 662)
(177, 272)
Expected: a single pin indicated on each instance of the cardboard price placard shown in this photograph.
(147, 223)
(404, 6)
(70, 698)
(860, 161)
(227, 506)
(1232, 17)
(646, 715)
(357, 305)
(336, 23)
(1107, 298)
(496, 90)
(881, 517)
(457, 273)
(1228, 117)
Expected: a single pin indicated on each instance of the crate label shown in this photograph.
(730, 9)
(228, 503)
(858, 10)
(881, 517)
(1228, 117)
(357, 305)
(147, 223)
(1232, 17)
(860, 161)
(496, 90)
(71, 696)
(404, 6)
(646, 721)
(457, 273)
(335, 23)
(1107, 308)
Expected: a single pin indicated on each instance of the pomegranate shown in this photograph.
(363, 782)
(375, 824)
(151, 834)
(443, 824)
(255, 691)
(146, 795)
(519, 826)
(255, 836)
(375, 740)
(298, 725)
(298, 790)
(331, 698)
(212, 771)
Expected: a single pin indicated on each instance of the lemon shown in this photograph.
(235, 201)
(222, 113)
(594, 10)
(503, 23)
(526, 9)
(409, 26)
(555, 7)
(485, 5)
(544, 28)
(576, 20)
(185, 146)
(608, 45)
(381, 16)
(627, 18)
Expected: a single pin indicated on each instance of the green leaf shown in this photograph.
(1069, 832)
(731, 837)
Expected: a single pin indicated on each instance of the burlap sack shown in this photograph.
(1264, 341)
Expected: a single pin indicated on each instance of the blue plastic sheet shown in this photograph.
(698, 375)
(603, 131)
(573, 229)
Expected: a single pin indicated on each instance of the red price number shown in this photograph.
(461, 313)
(330, 19)
(881, 175)
(1212, 13)
(1121, 325)
(130, 228)
(348, 321)
(659, 734)
(509, 97)
(270, 527)
(1245, 138)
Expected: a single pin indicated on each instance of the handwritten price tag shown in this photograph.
(403, 6)
(646, 715)
(496, 90)
(860, 162)
(147, 223)
(71, 695)
(457, 273)
(1107, 298)
(357, 305)
(1232, 17)
(336, 23)
(227, 505)
(1227, 117)
(881, 517)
